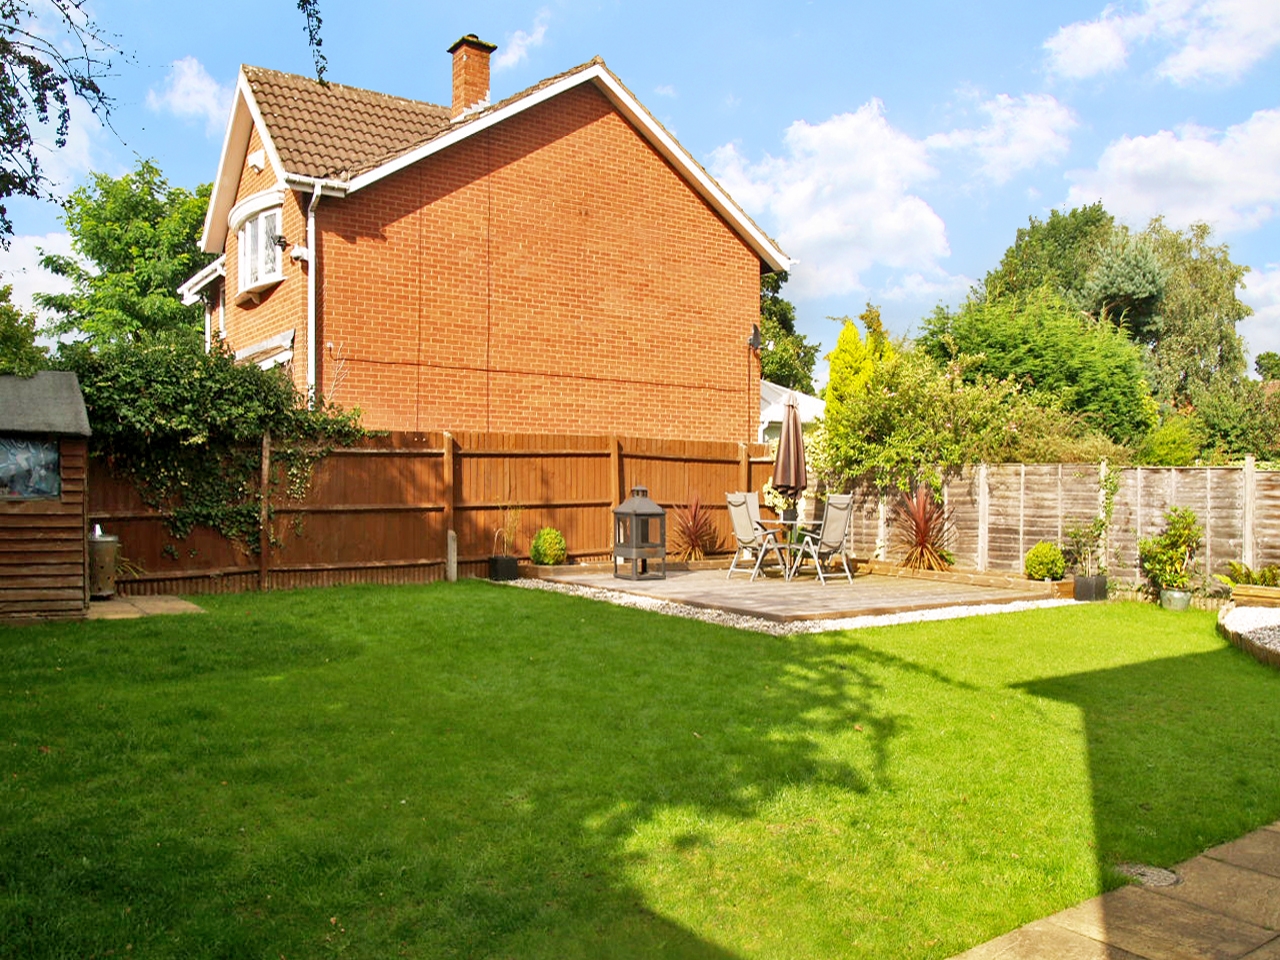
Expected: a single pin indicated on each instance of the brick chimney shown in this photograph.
(470, 73)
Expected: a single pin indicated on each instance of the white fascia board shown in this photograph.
(639, 117)
(188, 290)
(235, 146)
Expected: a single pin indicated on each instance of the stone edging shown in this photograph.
(1262, 654)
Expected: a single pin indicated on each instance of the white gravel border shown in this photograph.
(759, 625)
(1259, 626)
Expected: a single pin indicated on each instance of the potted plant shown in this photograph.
(1167, 560)
(1086, 544)
(504, 565)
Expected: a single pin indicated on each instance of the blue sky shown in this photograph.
(892, 149)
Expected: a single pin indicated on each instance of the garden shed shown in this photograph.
(44, 453)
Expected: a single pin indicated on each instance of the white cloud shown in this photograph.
(666, 90)
(916, 288)
(1082, 50)
(1022, 133)
(1202, 40)
(1262, 292)
(1230, 180)
(841, 201)
(520, 43)
(20, 267)
(189, 91)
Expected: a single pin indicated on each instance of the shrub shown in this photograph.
(922, 527)
(1241, 574)
(1167, 560)
(693, 532)
(1044, 561)
(548, 547)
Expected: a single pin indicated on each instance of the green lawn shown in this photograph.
(477, 771)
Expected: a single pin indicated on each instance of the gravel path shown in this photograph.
(779, 629)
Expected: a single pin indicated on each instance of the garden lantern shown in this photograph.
(639, 535)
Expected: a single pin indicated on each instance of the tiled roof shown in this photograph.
(337, 132)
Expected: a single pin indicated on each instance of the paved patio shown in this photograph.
(1226, 906)
(120, 607)
(772, 598)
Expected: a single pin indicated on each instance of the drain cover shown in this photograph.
(1149, 876)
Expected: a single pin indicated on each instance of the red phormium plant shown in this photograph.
(693, 531)
(921, 529)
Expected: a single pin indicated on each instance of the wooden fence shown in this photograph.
(1001, 511)
(381, 512)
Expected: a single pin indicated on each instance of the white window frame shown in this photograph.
(257, 222)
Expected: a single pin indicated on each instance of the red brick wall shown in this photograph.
(284, 306)
(551, 274)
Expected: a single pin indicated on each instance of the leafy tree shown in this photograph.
(1267, 365)
(854, 359)
(1059, 253)
(1237, 419)
(1196, 345)
(19, 353)
(1040, 342)
(786, 357)
(917, 419)
(38, 78)
(1127, 285)
(142, 238)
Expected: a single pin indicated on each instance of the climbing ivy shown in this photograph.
(186, 426)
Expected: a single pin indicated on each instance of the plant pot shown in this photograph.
(1090, 589)
(504, 568)
(790, 514)
(1175, 599)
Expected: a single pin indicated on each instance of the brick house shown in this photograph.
(554, 262)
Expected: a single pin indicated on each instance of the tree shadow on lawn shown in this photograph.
(1182, 753)
(481, 772)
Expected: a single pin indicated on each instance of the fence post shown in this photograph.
(615, 473)
(984, 518)
(1247, 545)
(744, 468)
(264, 515)
(450, 499)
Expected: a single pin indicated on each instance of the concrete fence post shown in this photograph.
(1248, 547)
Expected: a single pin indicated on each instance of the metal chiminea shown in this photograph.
(639, 535)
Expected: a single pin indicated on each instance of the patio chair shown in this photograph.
(752, 535)
(828, 539)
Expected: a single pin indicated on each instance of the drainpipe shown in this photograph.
(318, 187)
(312, 262)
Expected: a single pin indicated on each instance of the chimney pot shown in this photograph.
(470, 73)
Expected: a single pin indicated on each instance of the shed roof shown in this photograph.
(49, 402)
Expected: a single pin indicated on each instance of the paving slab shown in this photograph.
(779, 600)
(129, 608)
(1230, 890)
(1156, 927)
(1258, 851)
(1225, 907)
(1046, 939)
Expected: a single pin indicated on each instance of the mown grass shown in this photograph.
(477, 771)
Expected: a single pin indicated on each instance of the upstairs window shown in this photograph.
(257, 223)
(260, 260)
